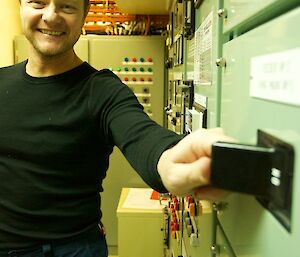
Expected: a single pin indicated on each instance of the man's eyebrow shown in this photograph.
(73, 2)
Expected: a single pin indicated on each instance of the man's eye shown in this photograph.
(68, 8)
(37, 4)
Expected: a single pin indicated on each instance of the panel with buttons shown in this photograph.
(139, 62)
(137, 73)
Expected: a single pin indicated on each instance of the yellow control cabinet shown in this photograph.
(140, 222)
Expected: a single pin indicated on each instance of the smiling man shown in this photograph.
(59, 121)
(52, 28)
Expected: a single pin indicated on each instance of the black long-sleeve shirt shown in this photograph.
(56, 135)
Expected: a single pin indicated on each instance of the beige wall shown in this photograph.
(10, 26)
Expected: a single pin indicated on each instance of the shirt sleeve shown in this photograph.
(126, 125)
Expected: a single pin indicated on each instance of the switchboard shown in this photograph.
(238, 70)
(190, 87)
(229, 63)
(139, 62)
(257, 112)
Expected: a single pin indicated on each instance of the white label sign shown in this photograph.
(276, 77)
(200, 99)
(203, 51)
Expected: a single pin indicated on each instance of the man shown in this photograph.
(59, 121)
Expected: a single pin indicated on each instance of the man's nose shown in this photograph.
(51, 14)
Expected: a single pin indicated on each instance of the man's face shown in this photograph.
(52, 26)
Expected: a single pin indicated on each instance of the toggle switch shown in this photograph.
(189, 229)
(194, 240)
(264, 170)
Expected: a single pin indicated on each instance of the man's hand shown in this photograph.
(185, 168)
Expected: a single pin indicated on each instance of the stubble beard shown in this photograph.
(50, 52)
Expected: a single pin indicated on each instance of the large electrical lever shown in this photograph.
(264, 170)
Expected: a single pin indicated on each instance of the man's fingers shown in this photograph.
(209, 193)
(198, 144)
(194, 174)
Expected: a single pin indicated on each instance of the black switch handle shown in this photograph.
(264, 170)
(242, 168)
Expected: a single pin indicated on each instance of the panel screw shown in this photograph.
(222, 13)
(215, 249)
(219, 206)
(221, 62)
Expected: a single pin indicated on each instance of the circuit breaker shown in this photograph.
(188, 227)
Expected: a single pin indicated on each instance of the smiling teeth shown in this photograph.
(51, 33)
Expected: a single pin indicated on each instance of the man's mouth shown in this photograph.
(51, 32)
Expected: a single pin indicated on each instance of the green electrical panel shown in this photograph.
(240, 72)
(258, 93)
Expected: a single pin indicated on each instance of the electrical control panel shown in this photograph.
(187, 229)
(228, 63)
(234, 64)
(189, 220)
(137, 74)
(139, 62)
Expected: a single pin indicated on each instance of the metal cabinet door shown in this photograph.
(256, 232)
(239, 12)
